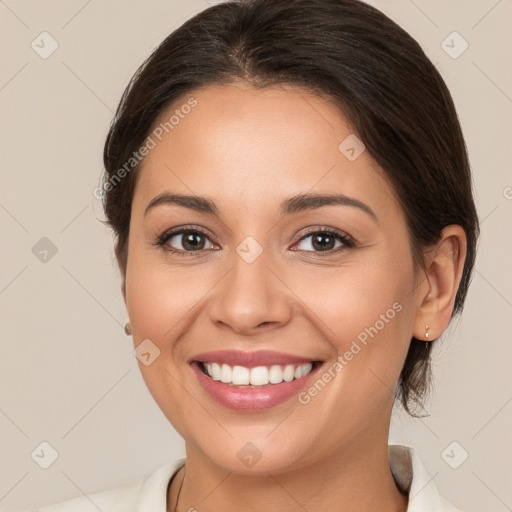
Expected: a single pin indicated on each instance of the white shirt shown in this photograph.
(150, 495)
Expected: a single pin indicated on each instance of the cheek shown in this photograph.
(365, 311)
(160, 299)
(357, 295)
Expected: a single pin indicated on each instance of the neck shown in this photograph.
(356, 478)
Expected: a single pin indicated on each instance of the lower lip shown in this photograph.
(257, 398)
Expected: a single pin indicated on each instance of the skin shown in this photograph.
(248, 150)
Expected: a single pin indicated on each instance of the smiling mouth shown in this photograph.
(241, 376)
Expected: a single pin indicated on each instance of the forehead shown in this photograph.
(255, 146)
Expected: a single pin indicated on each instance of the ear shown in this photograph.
(444, 266)
(122, 268)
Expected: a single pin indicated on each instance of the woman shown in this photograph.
(291, 197)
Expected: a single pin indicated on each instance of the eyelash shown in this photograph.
(338, 235)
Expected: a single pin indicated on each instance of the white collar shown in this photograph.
(411, 476)
(406, 467)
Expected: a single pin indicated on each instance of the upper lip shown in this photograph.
(249, 359)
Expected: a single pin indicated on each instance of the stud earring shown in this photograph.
(127, 329)
(426, 331)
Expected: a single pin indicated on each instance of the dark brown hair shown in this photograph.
(348, 52)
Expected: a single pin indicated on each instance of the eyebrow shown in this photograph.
(298, 203)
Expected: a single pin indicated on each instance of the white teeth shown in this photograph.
(226, 374)
(214, 371)
(257, 376)
(288, 373)
(275, 375)
(306, 368)
(240, 376)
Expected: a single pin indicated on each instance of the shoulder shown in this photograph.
(125, 498)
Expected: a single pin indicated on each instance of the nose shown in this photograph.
(251, 298)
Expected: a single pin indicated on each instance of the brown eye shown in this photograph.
(184, 240)
(190, 240)
(324, 241)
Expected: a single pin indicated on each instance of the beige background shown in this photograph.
(68, 374)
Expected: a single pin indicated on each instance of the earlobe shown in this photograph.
(444, 267)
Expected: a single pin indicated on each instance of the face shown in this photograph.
(260, 285)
